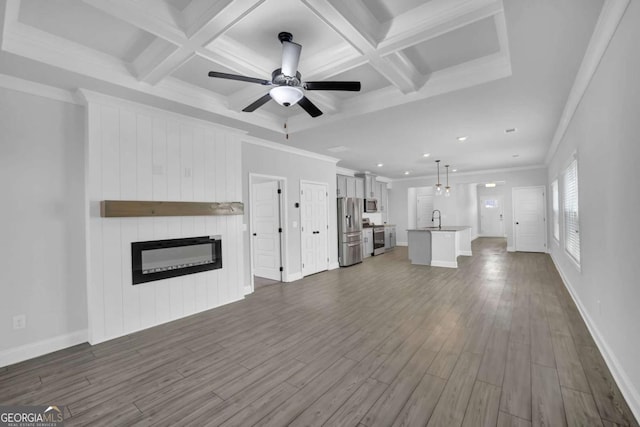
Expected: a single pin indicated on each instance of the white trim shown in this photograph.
(287, 149)
(511, 249)
(464, 253)
(447, 264)
(86, 97)
(402, 243)
(294, 276)
(37, 89)
(39, 348)
(476, 172)
(630, 393)
(248, 290)
(344, 171)
(334, 265)
(610, 17)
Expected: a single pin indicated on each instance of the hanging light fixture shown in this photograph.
(438, 185)
(447, 189)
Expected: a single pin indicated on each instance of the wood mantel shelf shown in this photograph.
(139, 208)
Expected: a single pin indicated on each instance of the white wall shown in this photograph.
(604, 131)
(139, 153)
(264, 160)
(42, 249)
(398, 198)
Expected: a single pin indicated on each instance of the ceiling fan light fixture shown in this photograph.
(286, 95)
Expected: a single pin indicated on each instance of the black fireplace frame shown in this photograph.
(137, 275)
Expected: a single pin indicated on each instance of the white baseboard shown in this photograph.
(465, 253)
(248, 290)
(402, 243)
(294, 276)
(448, 264)
(627, 388)
(511, 249)
(334, 265)
(29, 351)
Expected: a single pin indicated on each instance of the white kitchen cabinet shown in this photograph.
(367, 242)
(383, 201)
(346, 186)
(341, 186)
(359, 188)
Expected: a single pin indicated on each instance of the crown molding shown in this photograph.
(477, 172)
(610, 17)
(86, 97)
(287, 149)
(37, 89)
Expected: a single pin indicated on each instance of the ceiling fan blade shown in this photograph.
(309, 107)
(350, 86)
(257, 104)
(290, 58)
(240, 78)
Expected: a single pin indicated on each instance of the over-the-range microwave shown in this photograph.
(370, 205)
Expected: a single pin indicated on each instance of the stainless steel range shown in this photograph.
(378, 236)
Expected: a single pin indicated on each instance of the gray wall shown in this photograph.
(604, 131)
(398, 198)
(267, 161)
(42, 254)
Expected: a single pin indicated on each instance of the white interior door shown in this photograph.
(314, 222)
(529, 219)
(265, 213)
(491, 216)
(424, 205)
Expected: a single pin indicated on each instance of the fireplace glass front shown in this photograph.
(161, 259)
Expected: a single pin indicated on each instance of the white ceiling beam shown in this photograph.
(151, 19)
(357, 35)
(9, 13)
(435, 18)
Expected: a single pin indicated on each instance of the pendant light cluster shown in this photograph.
(438, 186)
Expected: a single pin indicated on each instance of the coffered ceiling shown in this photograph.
(463, 66)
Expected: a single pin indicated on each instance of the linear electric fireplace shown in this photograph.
(161, 259)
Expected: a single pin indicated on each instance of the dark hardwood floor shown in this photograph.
(383, 343)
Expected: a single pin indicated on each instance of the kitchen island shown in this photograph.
(439, 247)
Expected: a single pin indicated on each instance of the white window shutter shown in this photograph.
(571, 214)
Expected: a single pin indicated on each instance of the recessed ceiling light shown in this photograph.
(454, 170)
(490, 185)
(426, 154)
(380, 165)
(406, 172)
(510, 130)
(462, 138)
(516, 155)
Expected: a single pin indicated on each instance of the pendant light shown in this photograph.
(447, 189)
(438, 185)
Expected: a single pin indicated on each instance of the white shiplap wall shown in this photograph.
(138, 153)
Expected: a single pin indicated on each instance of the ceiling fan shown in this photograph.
(288, 87)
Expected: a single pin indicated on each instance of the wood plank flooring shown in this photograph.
(497, 342)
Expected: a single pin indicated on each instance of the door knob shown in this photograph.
(517, 223)
(254, 234)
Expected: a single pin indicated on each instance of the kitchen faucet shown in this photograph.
(433, 216)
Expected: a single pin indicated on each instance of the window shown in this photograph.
(571, 216)
(490, 203)
(555, 204)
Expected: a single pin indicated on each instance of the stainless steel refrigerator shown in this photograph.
(349, 231)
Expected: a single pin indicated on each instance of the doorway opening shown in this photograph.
(267, 228)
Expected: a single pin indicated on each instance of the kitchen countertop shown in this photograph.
(445, 228)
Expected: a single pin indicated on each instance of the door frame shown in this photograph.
(544, 213)
(326, 185)
(284, 260)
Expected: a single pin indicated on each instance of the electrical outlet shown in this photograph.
(19, 321)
